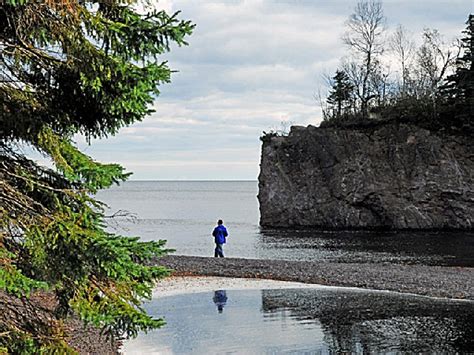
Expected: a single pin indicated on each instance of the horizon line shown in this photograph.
(204, 180)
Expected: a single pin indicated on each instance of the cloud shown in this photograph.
(249, 66)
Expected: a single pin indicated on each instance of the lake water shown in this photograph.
(286, 321)
(308, 321)
(185, 212)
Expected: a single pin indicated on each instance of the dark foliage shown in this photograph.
(435, 102)
(458, 92)
(70, 67)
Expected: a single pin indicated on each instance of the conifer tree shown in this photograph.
(459, 87)
(341, 93)
(69, 67)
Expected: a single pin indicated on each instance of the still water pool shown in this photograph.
(319, 320)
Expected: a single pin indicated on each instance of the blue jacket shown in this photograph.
(219, 233)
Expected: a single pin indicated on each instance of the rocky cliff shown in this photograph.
(395, 176)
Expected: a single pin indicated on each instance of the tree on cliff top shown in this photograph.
(364, 38)
(459, 87)
(341, 94)
(70, 67)
(426, 92)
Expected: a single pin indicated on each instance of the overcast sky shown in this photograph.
(249, 66)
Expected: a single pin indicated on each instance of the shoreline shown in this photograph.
(180, 285)
(422, 280)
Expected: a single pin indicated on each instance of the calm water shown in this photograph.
(184, 213)
(287, 321)
(306, 321)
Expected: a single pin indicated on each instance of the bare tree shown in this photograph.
(322, 94)
(364, 37)
(379, 83)
(434, 58)
(356, 75)
(403, 47)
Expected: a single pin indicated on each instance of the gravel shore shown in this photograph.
(433, 281)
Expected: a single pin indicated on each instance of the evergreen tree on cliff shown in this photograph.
(459, 88)
(69, 67)
(341, 93)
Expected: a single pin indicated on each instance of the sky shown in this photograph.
(249, 66)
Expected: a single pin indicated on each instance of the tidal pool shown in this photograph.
(319, 320)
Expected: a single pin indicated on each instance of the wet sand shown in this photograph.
(177, 285)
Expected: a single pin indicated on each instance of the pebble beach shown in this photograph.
(432, 281)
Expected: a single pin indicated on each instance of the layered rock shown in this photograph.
(395, 176)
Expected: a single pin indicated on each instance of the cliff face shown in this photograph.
(394, 176)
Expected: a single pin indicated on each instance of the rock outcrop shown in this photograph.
(395, 176)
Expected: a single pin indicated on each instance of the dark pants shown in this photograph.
(219, 251)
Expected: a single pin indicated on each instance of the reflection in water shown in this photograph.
(220, 299)
(428, 248)
(317, 320)
(377, 322)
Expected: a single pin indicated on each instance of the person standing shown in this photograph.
(219, 233)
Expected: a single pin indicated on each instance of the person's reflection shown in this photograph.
(220, 299)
